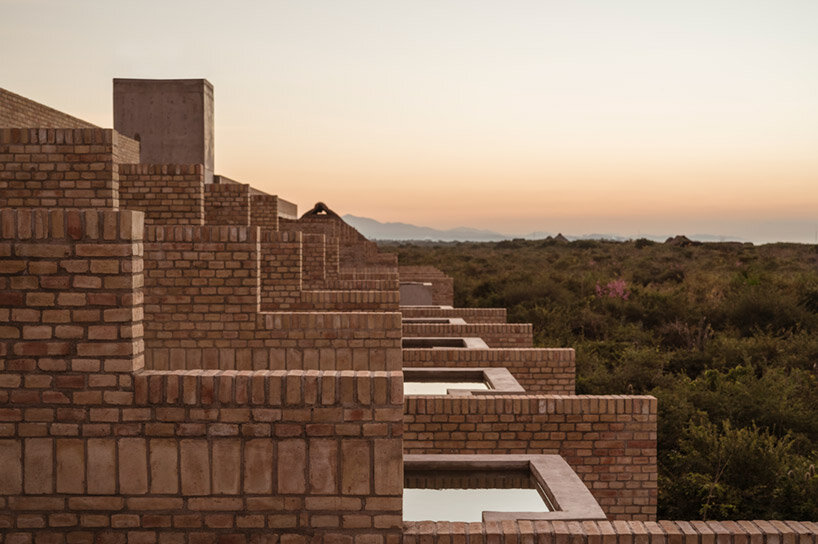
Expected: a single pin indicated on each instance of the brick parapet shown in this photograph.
(616, 532)
(331, 241)
(539, 370)
(299, 340)
(442, 285)
(388, 273)
(239, 455)
(70, 303)
(362, 285)
(353, 246)
(264, 211)
(204, 287)
(19, 112)
(284, 259)
(168, 194)
(277, 388)
(227, 204)
(314, 260)
(126, 150)
(496, 335)
(66, 168)
(609, 441)
(470, 315)
(348, 300)
(281, 270)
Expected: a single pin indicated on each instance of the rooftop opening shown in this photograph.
(480, 488)
(459, 381)
(444, 342)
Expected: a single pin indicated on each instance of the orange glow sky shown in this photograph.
(624, 117)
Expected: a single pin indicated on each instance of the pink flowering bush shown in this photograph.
(614, 289)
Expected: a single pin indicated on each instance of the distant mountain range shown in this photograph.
(375, 230)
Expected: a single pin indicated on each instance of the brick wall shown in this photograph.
(203, 288)
(332, 265)
(470, 315)
(362, 285)
(282, 286)
(281, 260)
(331, 241)
(496, 335)
(442, 285)
(353, 246)
(227, 204)
(313, 262)
(66, 168)
(375, 301)
(368, 273)
(616, 532)
(202, 458)
(168, 194)
(549, 370)
(127, 151)
(264, 211)
(95, 448)
(609, 441)
(19, 112)
(70, 301)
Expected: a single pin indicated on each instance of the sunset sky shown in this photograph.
(628, 117)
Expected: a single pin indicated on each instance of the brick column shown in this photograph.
(70, 300)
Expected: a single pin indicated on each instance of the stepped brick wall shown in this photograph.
(616, 532)
(227, 204)
(264, 211)
(19, 112)
(469, 315)
(203, 299)
(353, 247)
(66, 168)
(442, 285)
(283, 288)
(549, 371)
(609, 441)
(168, 194)
(93, 446)
(197, 380)
(331, 241)
(496, 335)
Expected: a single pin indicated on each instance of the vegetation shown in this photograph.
(723, 334)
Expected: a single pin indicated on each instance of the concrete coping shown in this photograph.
(499, 379)
(428, 306)
(444, 342)
(435, 320)
(562, 488)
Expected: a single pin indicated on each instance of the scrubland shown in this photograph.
(723, 334)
